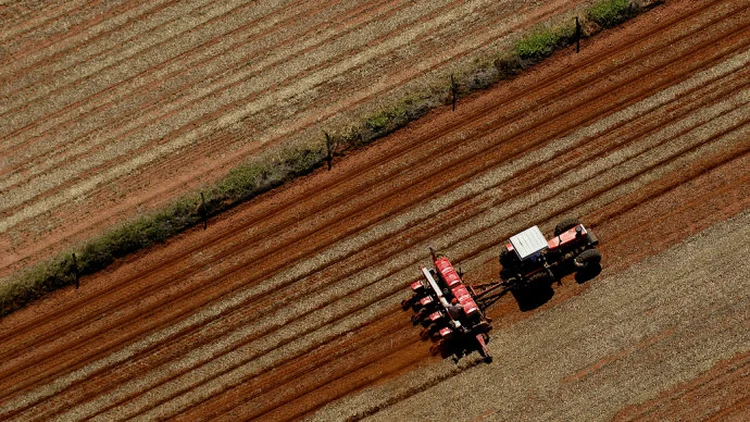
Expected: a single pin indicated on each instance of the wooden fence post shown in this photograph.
(75, 270)
(203, 212)
(329, 149)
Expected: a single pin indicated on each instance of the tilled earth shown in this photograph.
(110, 109)
(288, 307)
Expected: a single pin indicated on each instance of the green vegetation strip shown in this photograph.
(261, 175)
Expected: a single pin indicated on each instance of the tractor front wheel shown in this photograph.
(566, 225)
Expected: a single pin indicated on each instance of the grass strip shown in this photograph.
(261, 174)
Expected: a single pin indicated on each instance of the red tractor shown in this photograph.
(530, 259)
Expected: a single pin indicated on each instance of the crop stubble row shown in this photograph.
(369, 185)
(142, 293)
(78, 183)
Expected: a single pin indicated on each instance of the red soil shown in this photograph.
(291, 301)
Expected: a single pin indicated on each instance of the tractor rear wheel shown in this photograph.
(566, 225)
(541, 279)
(589, 258)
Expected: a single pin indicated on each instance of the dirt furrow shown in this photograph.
(242, 354)
(113, 29)
(364, 176)
(340, 263)
(32, 38)
(73, 76)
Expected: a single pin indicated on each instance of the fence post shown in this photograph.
(454, 90)
(203, 211)
(329, 149)
(75, 270)
(578, 36)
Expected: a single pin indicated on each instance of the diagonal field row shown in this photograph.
(140, 293)
(309, 277)
(139, 93)
(709, 389)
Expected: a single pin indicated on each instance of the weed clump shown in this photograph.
(538, 45)
(608, 13)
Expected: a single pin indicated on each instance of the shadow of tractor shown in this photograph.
(533, 295)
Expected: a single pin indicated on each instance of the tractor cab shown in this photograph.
(529, 244)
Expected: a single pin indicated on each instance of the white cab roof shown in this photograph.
(529, 242)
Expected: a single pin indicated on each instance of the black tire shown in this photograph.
(540, 280)
(590, 258)
(566, 225)
(508, 259)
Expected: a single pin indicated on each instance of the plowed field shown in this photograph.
(110, 109)
(288, 307)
